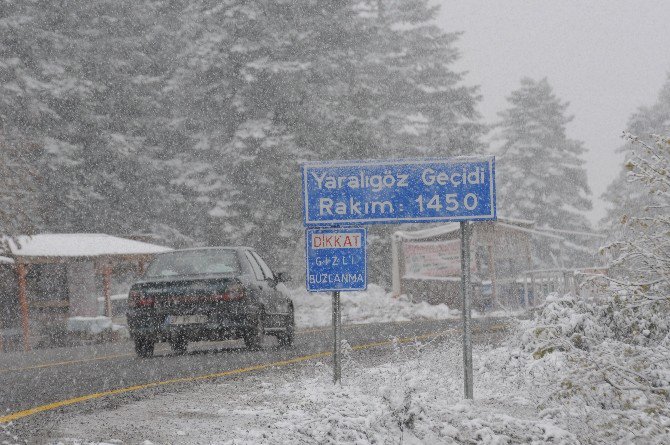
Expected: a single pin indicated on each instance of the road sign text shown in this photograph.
(399, 191)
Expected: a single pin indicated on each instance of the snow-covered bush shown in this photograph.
(603, 362)
(619, 315)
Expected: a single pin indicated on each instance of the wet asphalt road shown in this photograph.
(42, 377)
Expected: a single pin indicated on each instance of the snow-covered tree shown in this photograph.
(269, 85)
(31, 76)
(17, 188)
(628, 197)
(190, 119)
(99, 170)
(642, 253)
(541, 174)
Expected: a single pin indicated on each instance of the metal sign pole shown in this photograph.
(394, 191)
(337, 338)
(466, 292)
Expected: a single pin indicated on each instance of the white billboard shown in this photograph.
(426, 260)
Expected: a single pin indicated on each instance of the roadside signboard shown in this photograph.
(336, 259)
(429, 260)
(399, 191)
(345, 193)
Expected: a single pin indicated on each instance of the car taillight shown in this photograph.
(234, 292)
(136, 299)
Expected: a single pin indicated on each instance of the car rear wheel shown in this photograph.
(254, 338)
(144, 347)
(285, 339)
(179, 345)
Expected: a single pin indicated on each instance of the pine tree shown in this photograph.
(190, 119)
(31, 76)
(629, 198)
(18, 193)
(99, 170)
(541, 175)
(425, 109)
(269, 85)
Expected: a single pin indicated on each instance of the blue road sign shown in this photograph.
(399, 191)
(336, 259)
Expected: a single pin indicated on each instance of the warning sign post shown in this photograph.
(339, 194)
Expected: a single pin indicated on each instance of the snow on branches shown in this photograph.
(642, 253)
(17, 188)
(600, 365)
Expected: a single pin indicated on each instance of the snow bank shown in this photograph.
(372, 306)
(93, 326)
(414, 400)
(89, 325)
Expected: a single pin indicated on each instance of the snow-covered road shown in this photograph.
(567, 376)
(410, 394)
(105, 381)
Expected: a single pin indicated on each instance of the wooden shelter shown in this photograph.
(426, 263)
(61, 275)
(429, 265)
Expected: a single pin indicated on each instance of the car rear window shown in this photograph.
(194, 262)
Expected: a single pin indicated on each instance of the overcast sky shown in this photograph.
(606, 58)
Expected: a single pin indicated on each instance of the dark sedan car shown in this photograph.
(214, 293)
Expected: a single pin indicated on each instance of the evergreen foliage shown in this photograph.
(541, 172)
(188, 120)
(626, 196)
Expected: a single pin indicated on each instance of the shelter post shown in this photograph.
(492, 264)
(141, 266)
(106, 284)
(23, 304)
(525, 289)
(529, 267)
(492, 273)
(395, 265)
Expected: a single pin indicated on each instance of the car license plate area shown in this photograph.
(186, 319)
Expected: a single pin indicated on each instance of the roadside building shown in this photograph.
(505, 271)
(46, 279)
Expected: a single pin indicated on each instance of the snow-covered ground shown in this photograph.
(579, 372)
(414, 399)
(372, 306)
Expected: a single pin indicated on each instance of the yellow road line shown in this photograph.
(129, 354)
(55, 405)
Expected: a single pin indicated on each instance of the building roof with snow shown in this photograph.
(78, 245)
(454, 229)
